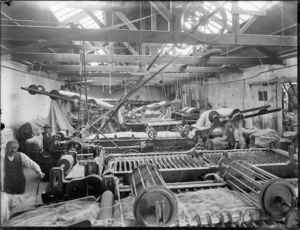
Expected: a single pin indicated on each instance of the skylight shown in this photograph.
(195, 12)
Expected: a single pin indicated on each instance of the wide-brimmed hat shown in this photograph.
(46, 126)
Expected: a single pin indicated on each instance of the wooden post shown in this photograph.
(278, 104)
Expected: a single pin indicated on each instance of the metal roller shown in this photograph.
(67, 162)
(106, 206)
(272, 194)
(154, 204)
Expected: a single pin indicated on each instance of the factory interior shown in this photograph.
(149, 114)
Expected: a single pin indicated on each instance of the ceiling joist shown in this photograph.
(212, 60)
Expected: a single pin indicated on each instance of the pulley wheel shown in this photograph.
(272, 196)
(155, 203)
(184, 133)
(235, 111)
(76, 144)
(41, 88)
(292, 219)
(212, 114)
(54, 92)
(34, 87)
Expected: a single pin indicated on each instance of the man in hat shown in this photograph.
(47, 138)
(14, 161)
(232, 134)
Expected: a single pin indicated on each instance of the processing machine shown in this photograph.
(153, 184)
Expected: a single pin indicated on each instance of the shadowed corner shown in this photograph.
(8, 3)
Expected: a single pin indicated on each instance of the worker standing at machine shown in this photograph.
(232, 135)
(47, 138)
(14, 161)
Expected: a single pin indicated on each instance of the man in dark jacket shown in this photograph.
(14, 161)
(47, 138)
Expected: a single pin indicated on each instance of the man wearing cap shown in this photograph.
(47, 138)
(232, 135)
(14, 161)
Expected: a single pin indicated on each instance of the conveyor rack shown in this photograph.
(175, 167)
(193, 165)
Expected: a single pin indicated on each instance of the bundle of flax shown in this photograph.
(192, 204)
(58, 215)
(7, 134)
(263, 138)
(12, 204)
(212, 202)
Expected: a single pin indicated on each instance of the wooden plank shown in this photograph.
(62, 35)
(159, 6)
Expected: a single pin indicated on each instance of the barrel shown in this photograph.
(154, 204)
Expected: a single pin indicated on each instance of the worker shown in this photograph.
(232, 135)
(14, 161)
(47, 138)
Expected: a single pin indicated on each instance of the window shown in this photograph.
(262, 96)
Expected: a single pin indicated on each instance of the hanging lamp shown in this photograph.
(141, 69)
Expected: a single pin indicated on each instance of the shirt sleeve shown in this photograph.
(28, 163)
(236, 135)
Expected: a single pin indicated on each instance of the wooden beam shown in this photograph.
(126, 20)
(242, 61)
(252, 20)
(129, 69)
(273, 33)
(62, 35)
(249, 12)
(212, 60)
(79, 35)
(153, 18)
(160, 7)
(95, 19)
(67, 57)
(167, 76)
(235, 21)
(98, 6)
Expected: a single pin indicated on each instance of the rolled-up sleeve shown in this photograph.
(28, 163)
